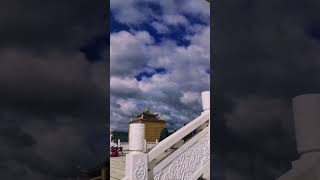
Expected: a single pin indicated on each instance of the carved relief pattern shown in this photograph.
(205, 142)
(158, 176)
(140, 172)
(187, 163)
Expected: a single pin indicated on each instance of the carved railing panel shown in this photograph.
(187, 161)
(178, 135)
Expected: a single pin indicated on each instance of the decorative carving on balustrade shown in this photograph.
(205, 142)
(140, 172)
(158, 176)
(187, 163)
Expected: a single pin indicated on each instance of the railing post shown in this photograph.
(136, 160)
(119, 144)
(111, 136)
(205, 96)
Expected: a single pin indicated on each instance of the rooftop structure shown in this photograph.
(146, 116)
(153, 125)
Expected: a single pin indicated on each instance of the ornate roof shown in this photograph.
(147, 114)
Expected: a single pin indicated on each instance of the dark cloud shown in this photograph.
(264, 53)
(51, 83)
(14, 136)
(53, 108)
(267, 114)
(49, 23)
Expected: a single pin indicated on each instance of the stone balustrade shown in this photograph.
(140, 164)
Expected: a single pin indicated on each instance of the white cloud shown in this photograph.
(127, 106)
(174, 94)
(120, 85)
(202, 39)
(127, 12)
(175, 19)
(127, 51)
(197, 8)
(131, 12)
(179, 88)
(190, 98)
(161, 28)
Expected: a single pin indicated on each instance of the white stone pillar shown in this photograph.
(136, 137)
(136, 160)
(205, 96)
(119, 144)
(306, 111)
(307, 122)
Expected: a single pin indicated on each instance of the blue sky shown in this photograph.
(160, 53)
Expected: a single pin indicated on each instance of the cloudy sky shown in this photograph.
(52, 87)
(160, 58)
(53, 107)
(264, 54)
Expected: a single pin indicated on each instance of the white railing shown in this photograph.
(178, 135)
(189, 161)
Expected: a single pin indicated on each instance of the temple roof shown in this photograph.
(147, 114)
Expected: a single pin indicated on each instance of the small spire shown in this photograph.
(146, 107)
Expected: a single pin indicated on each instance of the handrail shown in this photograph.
(178, 152)
(178, 135)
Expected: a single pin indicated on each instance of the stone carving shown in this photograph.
(158, 176)
(205, 142)
(140, 173)
(189, 162)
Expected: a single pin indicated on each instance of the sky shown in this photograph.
(159, 59)
(54, 86)
(53, 89)
(264, 54)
